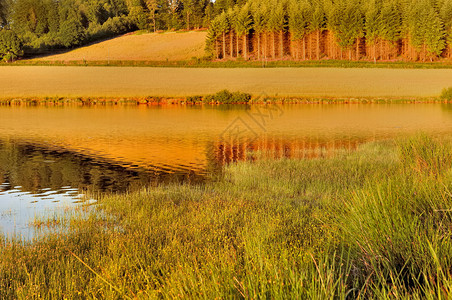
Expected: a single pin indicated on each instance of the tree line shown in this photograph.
(336, 29)
(42, 25)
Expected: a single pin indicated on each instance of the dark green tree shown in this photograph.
(10, 45)
(3, 13)
(71, 33)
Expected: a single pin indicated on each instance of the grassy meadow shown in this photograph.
(52, 81)
(375, 223)
(168, 46)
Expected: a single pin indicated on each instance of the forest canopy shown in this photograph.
(338, 29)
(45, 25)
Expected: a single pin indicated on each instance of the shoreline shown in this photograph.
(165, 101)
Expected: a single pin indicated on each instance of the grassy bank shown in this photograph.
(375, 223)
(206, 63)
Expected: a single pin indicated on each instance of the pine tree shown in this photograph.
(390, 24)
(434, 34)
(299, 22)
(259, 16)
(425, 29)
(152, 7)
(372, 24)
(212, 37)
(223, 27)
(446, 18)
(243, 26)
(276, 20)
(317, 23)
(232, 21)
(347, 23)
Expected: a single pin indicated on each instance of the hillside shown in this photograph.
(169, 46)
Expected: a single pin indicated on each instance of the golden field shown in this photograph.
(51, 81)
(168, 46)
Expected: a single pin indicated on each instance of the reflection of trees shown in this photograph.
(275, 147)
(35, 167)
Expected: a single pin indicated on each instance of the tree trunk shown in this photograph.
(381, 49)
(281, 41)
(304, 47)
(374, 46)
(357, 49)
(245, 47)
(297, 49)
(310, 46)
(259, 46)
(237, 43)
(217, 52)
(318, 45)
(188, 21)
(224, 45)
(231, 43)
(274, 45)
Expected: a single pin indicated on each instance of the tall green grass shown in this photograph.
(375, 223)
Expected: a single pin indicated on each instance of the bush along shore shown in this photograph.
(221, 97)
(374, 223)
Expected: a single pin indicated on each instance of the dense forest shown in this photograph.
(41, 25)
(336, 29)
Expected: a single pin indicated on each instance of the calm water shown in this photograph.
(50, 156)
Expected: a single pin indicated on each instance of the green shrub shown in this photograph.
(226, 97)
(446, 94)
(241, 97)
(193, 99)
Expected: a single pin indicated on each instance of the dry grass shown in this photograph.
(33, 81)
(169, 46)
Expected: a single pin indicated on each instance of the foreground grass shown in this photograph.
(371, 224)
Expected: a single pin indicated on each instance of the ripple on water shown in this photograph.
(18, 208)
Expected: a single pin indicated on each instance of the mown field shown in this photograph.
(168, 46)
(371, 224)
(40, 81)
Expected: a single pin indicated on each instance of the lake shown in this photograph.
(51, 157)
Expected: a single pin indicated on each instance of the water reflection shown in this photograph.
(52, 155)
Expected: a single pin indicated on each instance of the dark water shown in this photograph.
(57, 157)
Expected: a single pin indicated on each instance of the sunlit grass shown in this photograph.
(368, 224)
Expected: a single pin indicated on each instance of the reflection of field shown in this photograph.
(128, 81)
(154, 47)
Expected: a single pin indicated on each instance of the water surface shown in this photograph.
(51, 156)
